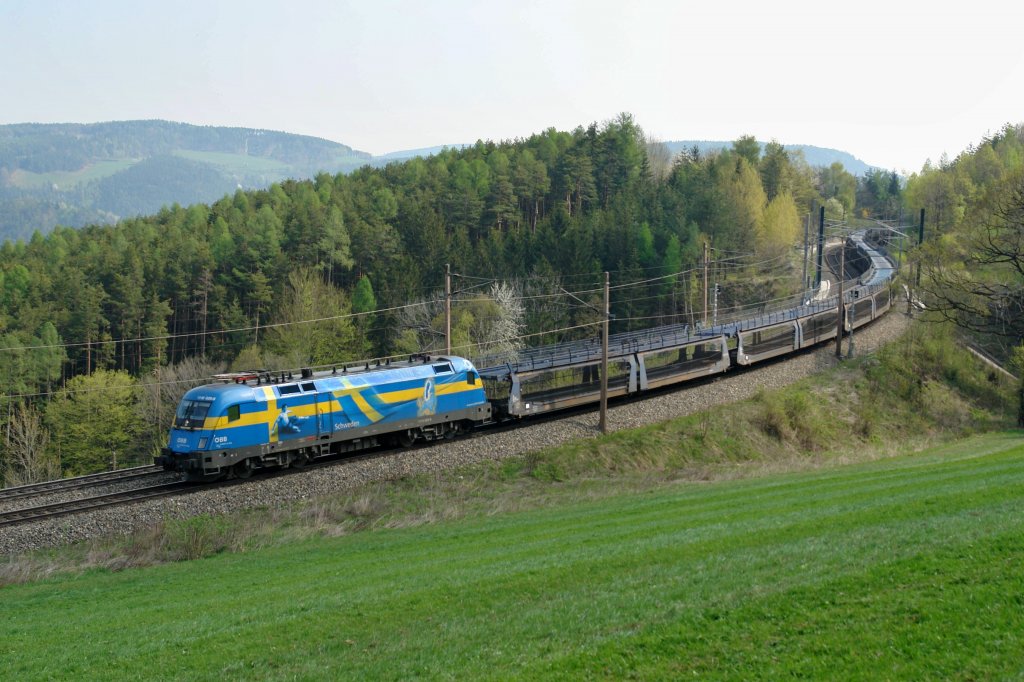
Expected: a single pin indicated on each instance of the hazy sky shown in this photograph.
(892, 82)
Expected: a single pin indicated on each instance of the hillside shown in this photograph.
(896, 570)
(720, 545)
(75, 174)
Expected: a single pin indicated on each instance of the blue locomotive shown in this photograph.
(253, 420)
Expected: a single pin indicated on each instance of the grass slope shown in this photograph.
(68, 180)
(905, 567)
(237, 164)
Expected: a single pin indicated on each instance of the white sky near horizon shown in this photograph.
(892, 83)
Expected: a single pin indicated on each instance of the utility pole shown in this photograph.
(807, 228)
(705, 284)
(853, 319)
(447, 309)
(821, 244)
(159, 388)
(841, 310)
(899, 259)
(604, 358)
(920, 240)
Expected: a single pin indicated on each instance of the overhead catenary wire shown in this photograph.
(238, 345)
(628, 285)
(214, 332)
(733, 262)
(189, 335)
(596, 277)
(376, 361)
(524, 336)
(370, 362)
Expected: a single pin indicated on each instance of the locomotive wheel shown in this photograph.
(299, 460)
(243, 469)
(404, 439)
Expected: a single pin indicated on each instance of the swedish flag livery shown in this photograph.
(252, 420)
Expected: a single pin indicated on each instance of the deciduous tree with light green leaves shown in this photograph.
(94, 422)
(310, 325)
(747, 147)
(779, 228)
(746, 201)
(363, 304)
(836, 183)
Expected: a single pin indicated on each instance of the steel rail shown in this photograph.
(62, 484)
(49, 511)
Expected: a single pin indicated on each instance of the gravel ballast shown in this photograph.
(283, 490)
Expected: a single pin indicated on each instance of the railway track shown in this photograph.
(65, 484)
(65, 508)
(42, 512)
(69, 508)
(49, 511)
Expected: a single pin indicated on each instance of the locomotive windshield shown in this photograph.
(191, 414)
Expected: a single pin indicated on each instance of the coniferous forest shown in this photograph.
(102, 327)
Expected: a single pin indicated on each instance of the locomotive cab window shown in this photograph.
(471, 378)
(191, 414)
(309, 386)
(442, 368)
(287, 390)
(234, 413)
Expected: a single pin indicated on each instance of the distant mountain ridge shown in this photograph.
(75, 174)
(403, 154)
(43, 148)
(814, 156)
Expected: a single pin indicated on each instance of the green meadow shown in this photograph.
(906, 567)
(67, 180)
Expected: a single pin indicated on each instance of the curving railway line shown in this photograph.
(687, 355)
(68, 507)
